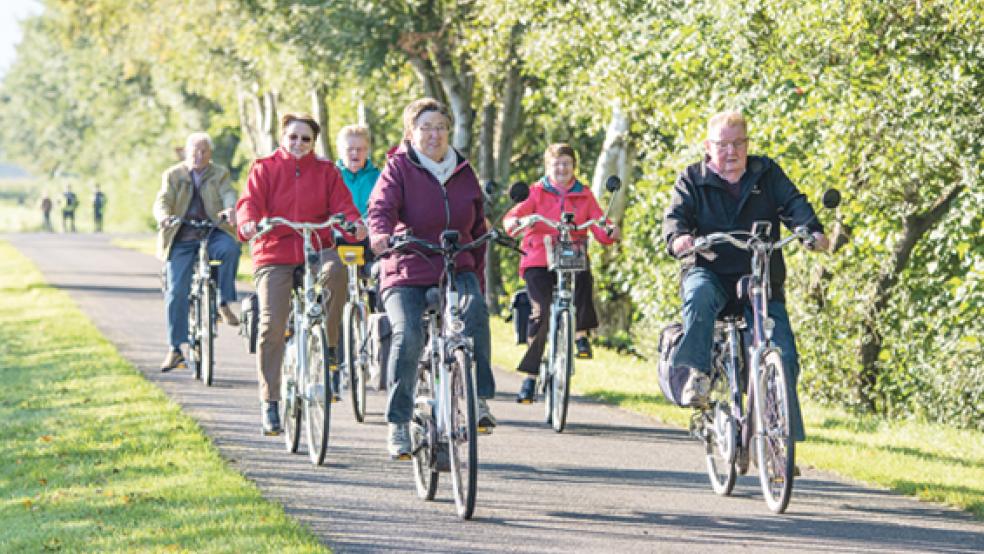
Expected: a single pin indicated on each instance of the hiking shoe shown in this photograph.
(226, 315)
(399, 441)
(271, 419)
(173, 360)
(583, 347)
(696, 389)
(527, 392)
(486, 421)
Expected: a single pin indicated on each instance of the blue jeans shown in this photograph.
(405, 308)
(179, 267)
(704, 296)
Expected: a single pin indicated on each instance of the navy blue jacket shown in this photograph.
(702, 205)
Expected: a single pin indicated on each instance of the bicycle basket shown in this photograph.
(567, 256)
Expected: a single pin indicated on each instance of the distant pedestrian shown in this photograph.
(70, 203)
(46, 205)
(98, 206)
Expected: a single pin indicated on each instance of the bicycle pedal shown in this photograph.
(402, 457)
(272, 433)
(485, 429)
(525, 401)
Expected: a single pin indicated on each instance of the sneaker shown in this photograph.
(173, 360)
(583, 347)
(226, 315)
(271, 419)
(696, 389)
(486, 421)
(399, 441)
(527, 392)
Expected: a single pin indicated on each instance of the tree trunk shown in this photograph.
(512, 109)
(427, 77)
(319, 109)
(915, 227)
(248, 110)
(457, 83)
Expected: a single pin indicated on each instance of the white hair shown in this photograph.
(197, 137)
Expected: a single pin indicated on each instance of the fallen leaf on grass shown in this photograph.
(42, 481)
(45, 438)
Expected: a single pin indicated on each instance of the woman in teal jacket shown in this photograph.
(357, 171)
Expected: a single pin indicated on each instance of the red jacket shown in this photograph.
(305, 189)
(550, 202)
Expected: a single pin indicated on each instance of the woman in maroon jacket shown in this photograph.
(294, 184)
(427, 187)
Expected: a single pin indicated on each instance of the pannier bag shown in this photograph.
(671, 379)
(249, 321)
(519, 314)
(380, 334)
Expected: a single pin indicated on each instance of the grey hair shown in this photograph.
(351, 131)
(197, 137)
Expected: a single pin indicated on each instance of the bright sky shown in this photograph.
(11, 14)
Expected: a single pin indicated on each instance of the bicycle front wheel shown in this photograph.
(563, 369)
(194, 333)
(775, 447)
(207, 332)
(356, 356)
(463, 434)
(290, 408)
(317, 396)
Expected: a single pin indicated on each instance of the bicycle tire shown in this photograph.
(207, 334)
(194, 335)
(317, 403)
(463, 434)
(423, 437)
(774, 447)
(290, 409)
(721, 439)
(563, 369)
(355, 333)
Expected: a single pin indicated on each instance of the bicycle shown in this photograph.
(726, 424)
(566, 258)
(306, 384)
(355, 332)
(444, 427)
(202, 304)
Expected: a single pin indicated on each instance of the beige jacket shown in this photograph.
(175, 197)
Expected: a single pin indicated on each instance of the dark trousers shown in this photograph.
(540, 284)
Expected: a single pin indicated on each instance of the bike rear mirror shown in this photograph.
(490, 187)
(831, 198)
(519, 191)
(613, 183)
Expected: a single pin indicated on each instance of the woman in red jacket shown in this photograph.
(557, 192)
(294, 184)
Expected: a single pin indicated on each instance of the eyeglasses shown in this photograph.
(427, 129)
(724, 144)
(304, 138)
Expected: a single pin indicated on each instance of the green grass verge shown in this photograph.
(932, 462)
(96, 458)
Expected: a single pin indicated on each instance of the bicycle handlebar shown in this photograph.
(268, 223)
(532, 219)
(399, 243)
(702, 245)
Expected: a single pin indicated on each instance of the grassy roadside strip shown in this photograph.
(932, 462)
(96, 458)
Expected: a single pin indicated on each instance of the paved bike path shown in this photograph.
(613, 482)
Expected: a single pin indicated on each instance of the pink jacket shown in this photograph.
(308, 189)
(550, 202)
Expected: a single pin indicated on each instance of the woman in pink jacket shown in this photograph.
(557, 192)
(295, 184)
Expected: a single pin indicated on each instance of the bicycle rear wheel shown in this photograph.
(356, 356)
(463, 434)
(317, 404)
(423, 437)
(775, 447)
(721, 438)
(290, 408)
(207, 332)
(563, 367)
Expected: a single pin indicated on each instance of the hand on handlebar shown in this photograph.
(682, 244)
(248, 230)
(228, 215)
(816, 241)
(613, 232)
(379, 243)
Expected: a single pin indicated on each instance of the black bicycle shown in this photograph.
(203, 304)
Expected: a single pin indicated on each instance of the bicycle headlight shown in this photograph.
(770, 324)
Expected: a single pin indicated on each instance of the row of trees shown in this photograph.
(875, 97)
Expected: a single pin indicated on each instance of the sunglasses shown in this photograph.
(302, 137)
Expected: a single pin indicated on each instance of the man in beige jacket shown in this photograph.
(195, 189)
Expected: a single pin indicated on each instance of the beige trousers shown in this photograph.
(273, 284)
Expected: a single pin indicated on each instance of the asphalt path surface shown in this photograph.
(612, 482)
